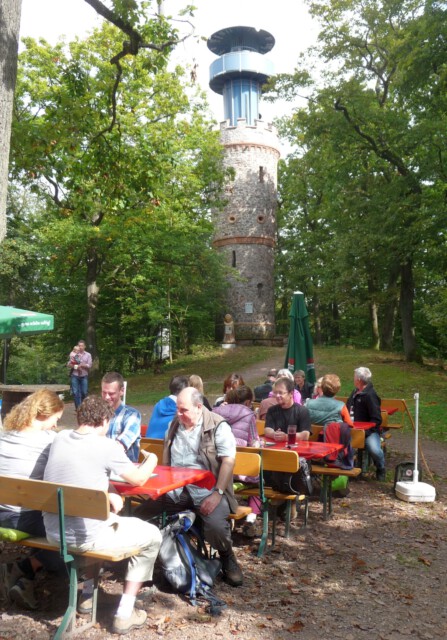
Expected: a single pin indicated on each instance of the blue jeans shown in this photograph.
(79, 389)
(373, 446)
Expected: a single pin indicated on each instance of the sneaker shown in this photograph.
(22, 593)
(381, 475)
(85, 604)
(124, 625)
(231, 570)
(9, 575)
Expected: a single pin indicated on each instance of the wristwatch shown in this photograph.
(219, 491)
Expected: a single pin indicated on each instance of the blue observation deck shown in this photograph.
(241, 70)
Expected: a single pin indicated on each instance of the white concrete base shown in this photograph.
(229, 346)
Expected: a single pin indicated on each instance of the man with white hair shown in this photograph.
(364, 403)
(200, 439)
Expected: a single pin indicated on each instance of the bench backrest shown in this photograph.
(357, 436)
(43, 496)
(247, 464)
(154, 445)
(399, 409)
(260, 426)
(275, 459)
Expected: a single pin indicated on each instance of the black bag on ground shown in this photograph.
(299, 483)
(185, 562)
(404, 473)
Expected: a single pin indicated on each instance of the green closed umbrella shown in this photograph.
(18, 322)
(300, 346)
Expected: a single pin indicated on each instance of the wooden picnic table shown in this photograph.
(12, 394)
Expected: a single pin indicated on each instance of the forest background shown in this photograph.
(116, 169)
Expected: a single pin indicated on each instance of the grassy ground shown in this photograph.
(392, 377)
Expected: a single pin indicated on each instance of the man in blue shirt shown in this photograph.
(125, 426)
(166, 408)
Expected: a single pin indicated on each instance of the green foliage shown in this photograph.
(363, 197)
(32, 362)
(127, 180)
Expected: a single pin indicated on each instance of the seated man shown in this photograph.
(364, 405)
(301, 385)
(125, 425)
(326, 408)
(84, 457)
(286, 413)
(198, 438)
(263, 390)
(166, 408)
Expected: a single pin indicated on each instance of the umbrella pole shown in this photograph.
(5, 346)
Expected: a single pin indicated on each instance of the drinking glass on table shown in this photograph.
(291, 434)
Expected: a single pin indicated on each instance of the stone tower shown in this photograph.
(246, 227)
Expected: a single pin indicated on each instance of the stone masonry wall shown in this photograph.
(246, 228)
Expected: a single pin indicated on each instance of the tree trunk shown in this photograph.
(317, 320)
(335, 323)
(92, 305)
(10, 11)
(372, 290)
(406, 313)
(389, 315)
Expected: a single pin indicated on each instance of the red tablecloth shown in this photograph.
(306, 449)
(363, 425)
(167, 479)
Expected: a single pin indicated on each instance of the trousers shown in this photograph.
(216, 527)
(79, 389)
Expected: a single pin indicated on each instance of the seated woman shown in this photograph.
(238, 413)
(24, 448)
(231, 382)
(326, 408)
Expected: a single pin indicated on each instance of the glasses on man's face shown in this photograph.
(281, 394)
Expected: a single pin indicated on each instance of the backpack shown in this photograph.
(340, 433)
(298, 483)
(185, 562)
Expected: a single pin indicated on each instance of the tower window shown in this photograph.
(232, 219)
(261, 174)
(259, 287)
(261, 219)
(233, 259)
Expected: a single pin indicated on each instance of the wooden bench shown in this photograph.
(328, 474)
(245, 464)
(274, 460)
(66, 500)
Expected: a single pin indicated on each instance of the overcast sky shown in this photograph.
(287, 20)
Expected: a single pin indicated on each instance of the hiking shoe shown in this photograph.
(124, 625)
(9, 575)
(22, 593)
(381, 475)
(231, 570)
(85, 604)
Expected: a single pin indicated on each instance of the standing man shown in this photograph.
(79, 374)
(125, 424)
(286, 413)
(85, 458)
(364, 405)
(200, 439)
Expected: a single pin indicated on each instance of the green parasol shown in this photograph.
(300, 347)
(18, 322)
